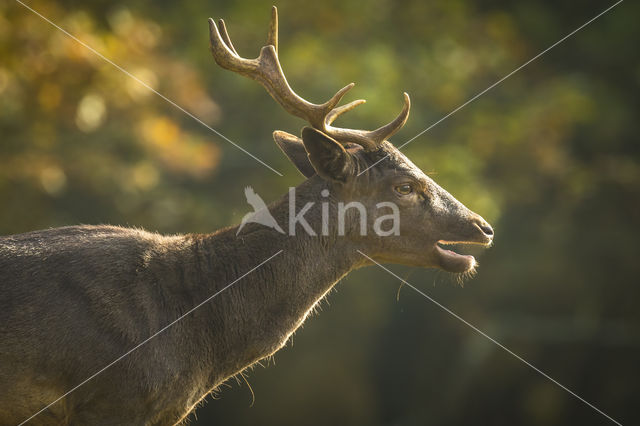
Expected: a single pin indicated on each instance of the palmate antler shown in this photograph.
(266, 70)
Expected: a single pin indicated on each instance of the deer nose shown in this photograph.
(486, 229)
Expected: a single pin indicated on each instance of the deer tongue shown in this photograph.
(454, 262)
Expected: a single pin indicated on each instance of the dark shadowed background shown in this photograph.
(550, 157)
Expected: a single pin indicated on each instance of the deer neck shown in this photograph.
(258, 314)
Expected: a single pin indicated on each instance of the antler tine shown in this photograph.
(225, 56)
(225, 35)
(385, 132)
(272, 37)
(370, 140)
(336, 112)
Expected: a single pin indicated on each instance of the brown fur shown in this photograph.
(76, 298)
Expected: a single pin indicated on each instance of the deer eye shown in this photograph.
(404, 189)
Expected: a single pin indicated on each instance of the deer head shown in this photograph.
(362, 166)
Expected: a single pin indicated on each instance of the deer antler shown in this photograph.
(266, 70)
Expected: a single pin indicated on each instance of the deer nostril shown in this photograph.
(487, 229)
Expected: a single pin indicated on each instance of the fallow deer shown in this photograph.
(74, 299)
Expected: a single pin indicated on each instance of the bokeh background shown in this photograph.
(550, 157)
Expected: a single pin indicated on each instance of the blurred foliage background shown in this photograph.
(550, 157)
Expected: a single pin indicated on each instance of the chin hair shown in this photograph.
(461, 277)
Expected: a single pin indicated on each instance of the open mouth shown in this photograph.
(454, 262)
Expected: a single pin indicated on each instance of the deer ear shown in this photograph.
(329, 159)
(294, 149)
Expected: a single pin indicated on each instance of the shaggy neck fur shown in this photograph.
(254, 317)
